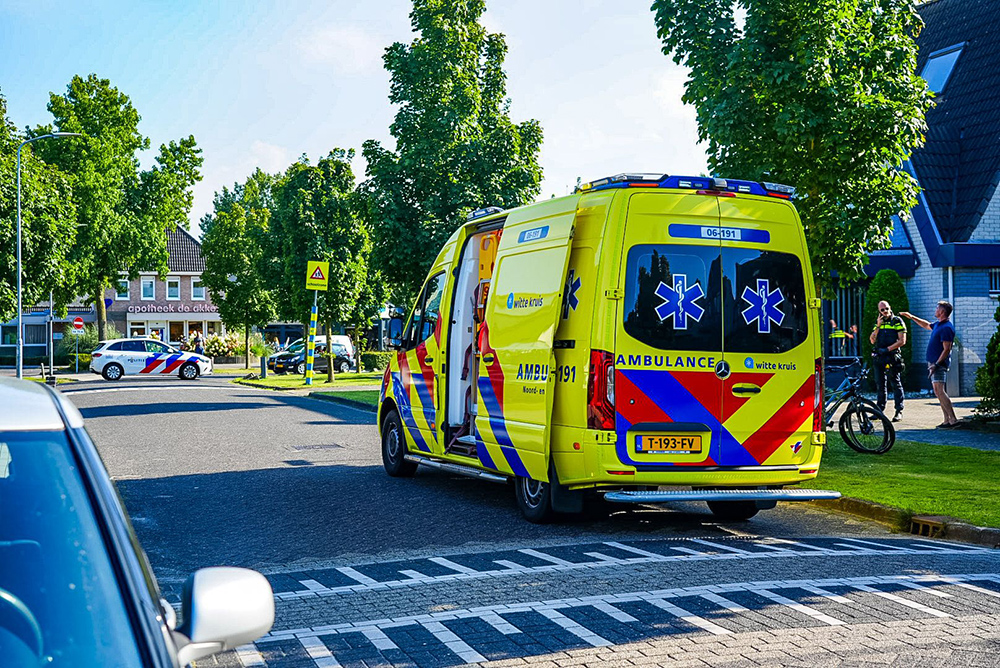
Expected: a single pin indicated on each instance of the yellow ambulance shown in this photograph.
(645, 332)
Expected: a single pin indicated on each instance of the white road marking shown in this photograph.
(688, 617)
(732, 606)
(546, 557)
(172, 388)
(819, 591)
(902, 601)
(926, 590)
(634, 550)
(881, 545)
(981, 590)
(805, 545)
(804, 609)
(615, 613)
(499, 623)
(249, 656)
(447, 563)
(358, 577)
(718, 546)
(939, 544)
(312, 585)
(378, 638)
(600, 556)
(415, 575)
(576, 629)
(687, 550)
(512, 565)
(319, 652)
(453, 642)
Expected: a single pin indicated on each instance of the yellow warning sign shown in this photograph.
(317, 275)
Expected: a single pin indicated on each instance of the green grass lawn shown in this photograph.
(59, 381)
(925, 479)
(369, 397)
(291, 381)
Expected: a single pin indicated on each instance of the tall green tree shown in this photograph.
(456, 147)
(318, 217)
(819, 94)
(123, 213)
(234, 246)
(48, 224)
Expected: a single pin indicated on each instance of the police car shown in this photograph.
(146, 357)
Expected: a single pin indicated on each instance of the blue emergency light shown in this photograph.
(486, 211)
(704, 184)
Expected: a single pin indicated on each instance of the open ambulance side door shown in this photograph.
(516, 383)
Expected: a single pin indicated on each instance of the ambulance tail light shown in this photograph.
(818, 397)
(601, 391)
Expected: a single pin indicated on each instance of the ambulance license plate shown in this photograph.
(668, 443)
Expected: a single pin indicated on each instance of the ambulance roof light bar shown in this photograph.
(705, 184)
(485, 211)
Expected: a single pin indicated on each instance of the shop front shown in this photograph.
(173, 323)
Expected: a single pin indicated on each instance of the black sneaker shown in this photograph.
(898, 416)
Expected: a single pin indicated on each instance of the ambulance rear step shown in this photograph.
(721, 495)
(459, 469)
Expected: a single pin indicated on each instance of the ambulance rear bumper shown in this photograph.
(721, 495)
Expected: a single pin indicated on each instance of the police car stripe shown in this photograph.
(152, 363)
(172, 363)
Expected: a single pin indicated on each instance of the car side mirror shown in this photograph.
(223, 608)
(395, 332)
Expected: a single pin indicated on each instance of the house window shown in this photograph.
(197, 289)
(995, 282)
(937, 70)
(173, 289)
(122, 293)
(148, 289)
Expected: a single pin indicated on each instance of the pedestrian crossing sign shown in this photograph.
(317, 275)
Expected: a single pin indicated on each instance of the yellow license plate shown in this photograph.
(690, 443)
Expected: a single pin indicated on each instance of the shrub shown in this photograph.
(988, 376)
(886, 285)
(221, 346)
(88, 340)
(375, 361)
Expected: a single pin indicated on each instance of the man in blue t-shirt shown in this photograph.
(939, 356)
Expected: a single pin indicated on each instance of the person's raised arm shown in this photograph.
(920, 321)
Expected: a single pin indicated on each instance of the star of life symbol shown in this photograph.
(573, 284)
(680, 301)
(763, 306)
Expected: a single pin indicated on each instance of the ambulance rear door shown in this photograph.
(516, 379)
(770, 335)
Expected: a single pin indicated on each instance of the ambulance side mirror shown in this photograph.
(395, 336)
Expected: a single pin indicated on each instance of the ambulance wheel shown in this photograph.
(534, 500)
(733, 510)
(394, 448)
(188, 372)
(113, 371)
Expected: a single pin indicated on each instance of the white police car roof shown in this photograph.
(30, 406)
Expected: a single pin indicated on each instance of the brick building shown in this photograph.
(949, 248)
(171, 308)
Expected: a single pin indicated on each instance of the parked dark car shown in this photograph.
(296, 362)
(75, 588)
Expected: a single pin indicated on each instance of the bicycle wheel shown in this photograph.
(866, 429)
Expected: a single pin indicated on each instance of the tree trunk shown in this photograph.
(329, 352)
(102, 315)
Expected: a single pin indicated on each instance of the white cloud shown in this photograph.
(348, 49)
(269, 157)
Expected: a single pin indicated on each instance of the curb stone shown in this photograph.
(341, 400)
(896, 517)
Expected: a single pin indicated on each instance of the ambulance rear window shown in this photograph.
(765, 301)
(672, 297)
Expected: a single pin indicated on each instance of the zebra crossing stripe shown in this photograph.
(981, 590)
(312, 585)
(447, 563)
(319, 652)
(926, 590)
(615, 613)
(600, 556)
(732, 606)
(879, 545)
(499, 623)
(634, 550)
(819, 591)
(688, 617)
(902, 601)
(356, 576)
(575, 628)
(546, 557)
(804, 609)
(378, 638)
(795, 543)
(717, 546)
(687, 550)
(249, 656)
(511, 565)
(453, 642)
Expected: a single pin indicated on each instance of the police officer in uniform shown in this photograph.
(888, 337)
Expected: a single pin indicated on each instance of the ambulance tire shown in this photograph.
(394, 448)
(113, 371)
(733, 510)
(534, 500)
(188, 372)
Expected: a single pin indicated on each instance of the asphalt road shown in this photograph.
(440, 570)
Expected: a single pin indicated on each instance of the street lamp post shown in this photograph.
(20, 313)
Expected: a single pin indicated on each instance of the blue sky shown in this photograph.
(260, 83)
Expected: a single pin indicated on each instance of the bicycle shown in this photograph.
(863, 426)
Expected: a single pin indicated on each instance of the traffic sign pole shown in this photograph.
(317, 278)
(312, 340)
(77, 327)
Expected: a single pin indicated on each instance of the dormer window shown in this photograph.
(937, 70)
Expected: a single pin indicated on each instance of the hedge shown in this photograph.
(375, 361)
